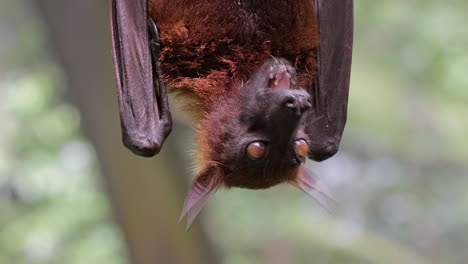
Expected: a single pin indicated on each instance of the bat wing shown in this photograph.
(144, 110)
(329, 93)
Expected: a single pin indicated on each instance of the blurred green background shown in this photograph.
(400, 176)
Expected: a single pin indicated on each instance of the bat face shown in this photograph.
(258, 139)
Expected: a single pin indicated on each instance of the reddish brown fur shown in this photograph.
(211, 47)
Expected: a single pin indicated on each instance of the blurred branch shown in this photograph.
(146, 193)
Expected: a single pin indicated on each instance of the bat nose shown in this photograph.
(297, 102)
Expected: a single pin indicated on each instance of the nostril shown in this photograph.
(290, 103)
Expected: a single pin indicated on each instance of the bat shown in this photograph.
(266, 82)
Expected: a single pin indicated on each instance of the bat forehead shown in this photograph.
(259, 178)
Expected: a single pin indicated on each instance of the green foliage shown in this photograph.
(52, 208)
(409, 82)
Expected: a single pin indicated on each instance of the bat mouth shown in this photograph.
(280, 78)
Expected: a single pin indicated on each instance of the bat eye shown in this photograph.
(256, 150)
(301, 148)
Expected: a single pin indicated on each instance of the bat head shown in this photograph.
(255, 139)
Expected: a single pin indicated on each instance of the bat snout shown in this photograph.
(297, 102)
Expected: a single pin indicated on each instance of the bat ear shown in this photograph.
(309, 183)
(202, 189)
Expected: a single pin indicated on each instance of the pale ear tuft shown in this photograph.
(309, 183)
(202, 189)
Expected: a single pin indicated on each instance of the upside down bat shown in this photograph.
(265, 80)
